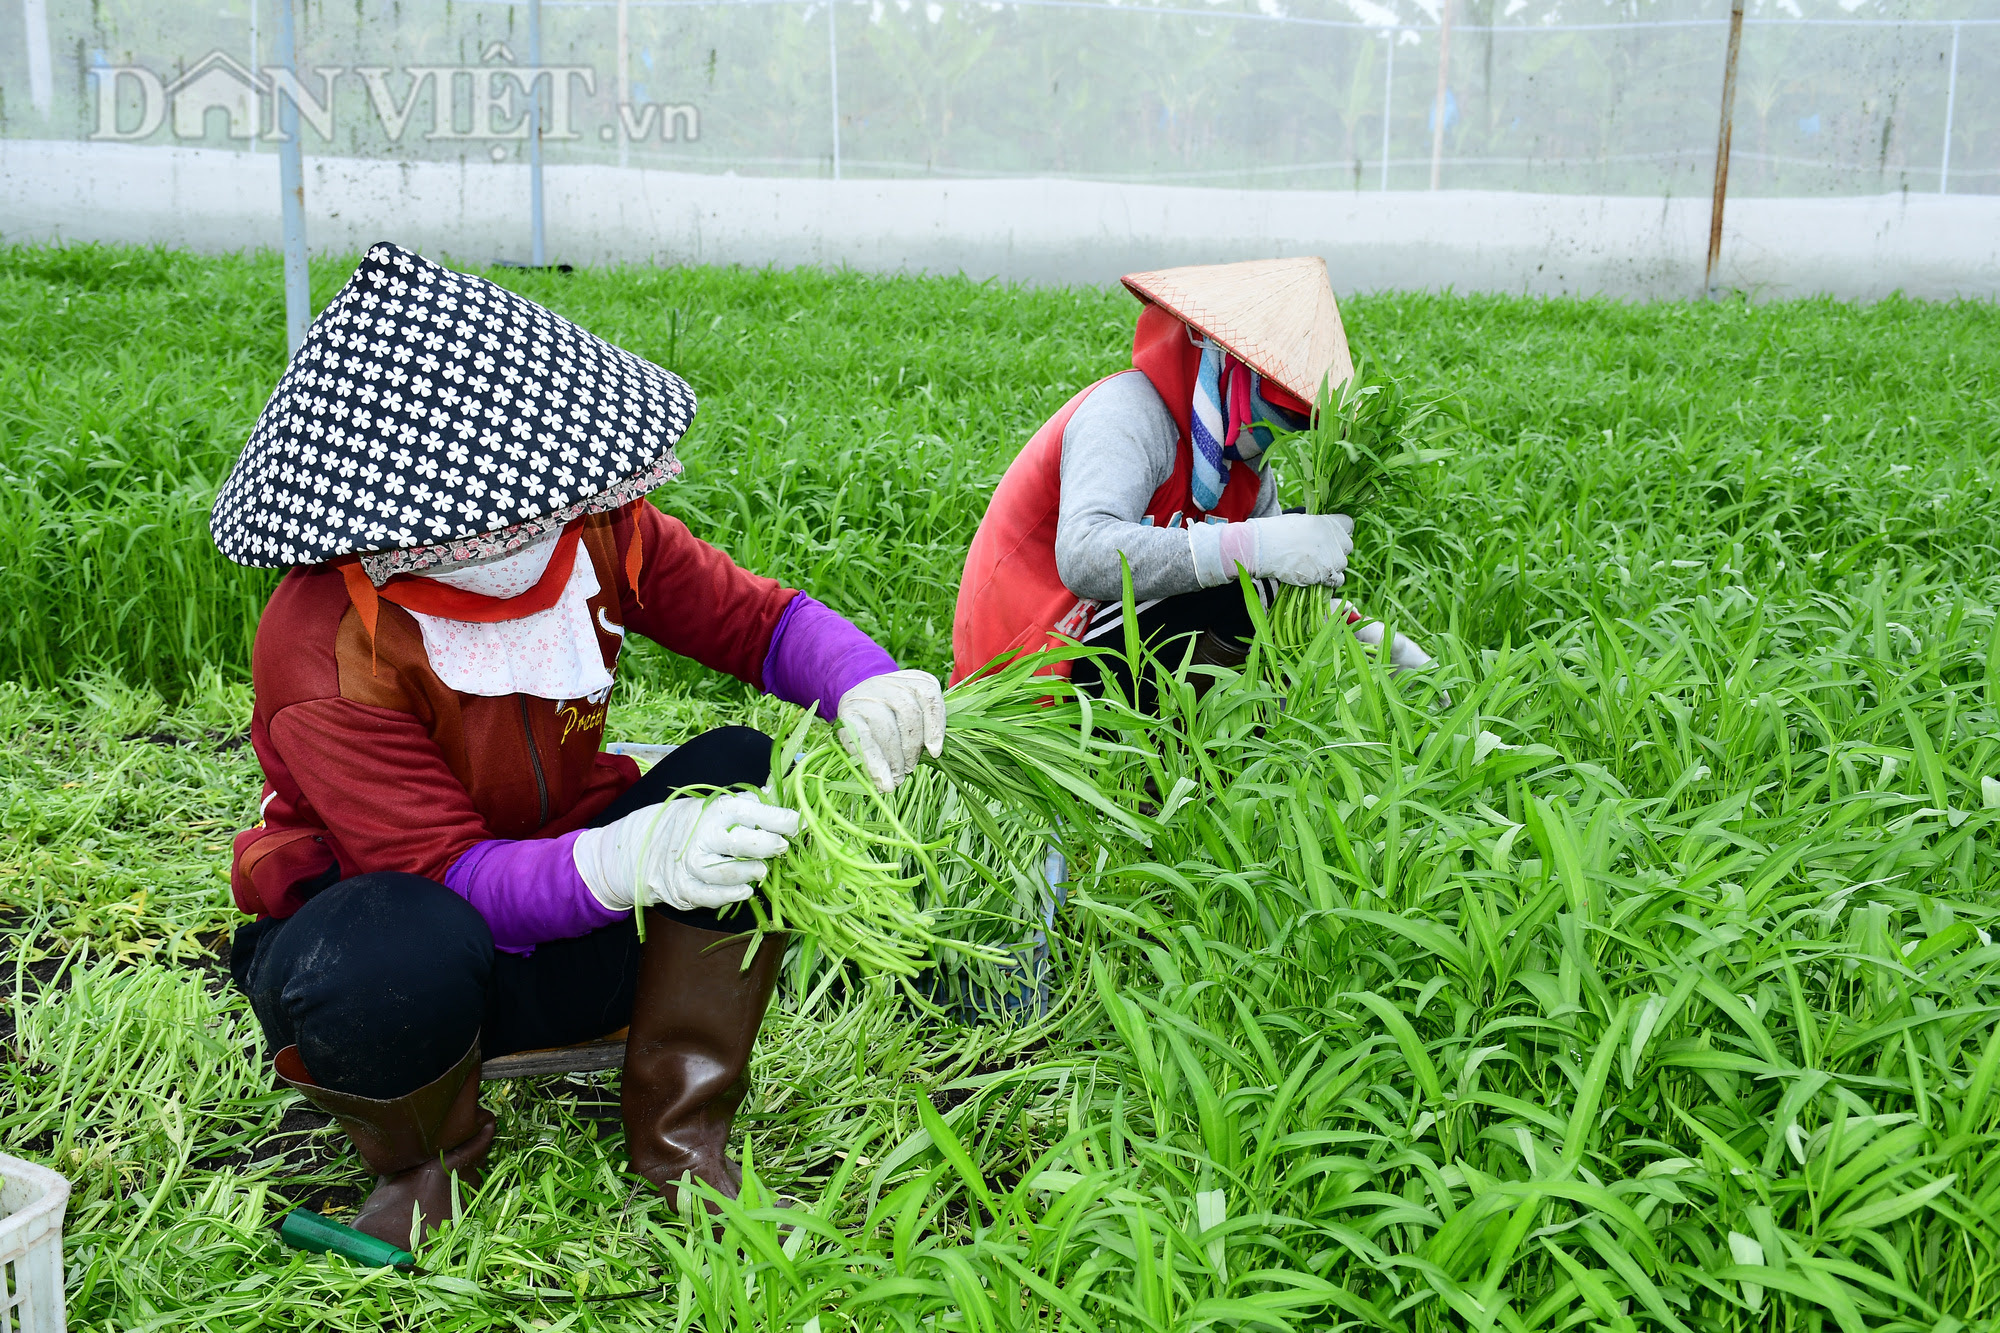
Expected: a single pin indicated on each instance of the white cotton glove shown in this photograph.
(1404, 654)
(887, 720)
(1303, 549)
(686, 853)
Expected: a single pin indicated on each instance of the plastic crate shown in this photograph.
(32, 1200)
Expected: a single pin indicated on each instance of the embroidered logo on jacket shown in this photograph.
(580, 715)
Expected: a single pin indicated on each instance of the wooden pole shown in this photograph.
(833, 83)
(292, 186)
(41, 68)
(1388, 86)
(538, 245)
(256, 63)
(1444, 91)
(1950, 105)
(625, 78)
(1722, 145)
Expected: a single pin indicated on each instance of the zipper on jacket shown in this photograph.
(535, 759)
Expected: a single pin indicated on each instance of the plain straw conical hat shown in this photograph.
(1277, 315)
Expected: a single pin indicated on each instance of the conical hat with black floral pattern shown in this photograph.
(427, 407)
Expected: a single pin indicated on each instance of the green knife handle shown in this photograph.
(304, 1229)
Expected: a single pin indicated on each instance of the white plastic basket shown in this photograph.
(32, 1200)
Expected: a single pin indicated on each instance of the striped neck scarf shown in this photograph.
(1231, 422)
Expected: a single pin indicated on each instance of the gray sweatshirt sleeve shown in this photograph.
(1267, 495)
(1117, 450)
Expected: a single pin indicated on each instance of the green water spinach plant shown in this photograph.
(1679, 929)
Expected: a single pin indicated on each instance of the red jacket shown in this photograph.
(373, 763)
(1011, 599)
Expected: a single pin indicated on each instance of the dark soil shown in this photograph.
(822, 1169)
(43, 972)
(217, 740)
(214, 959)
(332, 1200)
(945, 1099)
(299, 1141)
(597, 1105)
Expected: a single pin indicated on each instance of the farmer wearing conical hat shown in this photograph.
(446, 867)
(1164, 465)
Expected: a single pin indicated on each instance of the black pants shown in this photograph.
(383, 980)
(1165, 626)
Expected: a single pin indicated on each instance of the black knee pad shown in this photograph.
(723, 757)
(380, 981)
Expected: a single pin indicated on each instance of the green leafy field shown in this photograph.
(1647, 983)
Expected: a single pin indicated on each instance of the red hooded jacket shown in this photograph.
(373, 763)
(1011, 599)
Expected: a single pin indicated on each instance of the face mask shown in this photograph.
(507, 577)
(551, 654)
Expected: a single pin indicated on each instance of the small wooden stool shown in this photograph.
(607, 1052)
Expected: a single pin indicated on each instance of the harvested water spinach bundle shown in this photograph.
(1367, 441)
(1020, 770)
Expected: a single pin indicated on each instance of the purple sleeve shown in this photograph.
(816, 656)
(528, 891)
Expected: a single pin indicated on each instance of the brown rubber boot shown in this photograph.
(694, 1019)
(414, 1143)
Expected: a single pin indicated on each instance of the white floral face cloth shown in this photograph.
(551, 654)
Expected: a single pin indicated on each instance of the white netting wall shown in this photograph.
(1542, 97)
